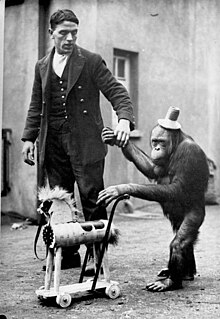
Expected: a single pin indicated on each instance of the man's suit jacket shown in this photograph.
(87, 76)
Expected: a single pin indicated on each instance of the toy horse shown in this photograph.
(64, 230)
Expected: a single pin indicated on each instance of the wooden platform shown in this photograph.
(74, 288)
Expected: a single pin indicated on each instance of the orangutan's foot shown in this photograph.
(164, 273)
(163, 285)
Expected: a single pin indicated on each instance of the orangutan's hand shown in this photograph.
(108, 136)
(112, 192)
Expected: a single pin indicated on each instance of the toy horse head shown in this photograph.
(57, 205)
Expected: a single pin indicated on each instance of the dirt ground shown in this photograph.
(141, 253)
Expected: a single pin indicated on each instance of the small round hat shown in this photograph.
(170, 120)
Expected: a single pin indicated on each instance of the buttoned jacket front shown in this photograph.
(87, 76)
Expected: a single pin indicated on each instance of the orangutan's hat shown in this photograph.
(170, 121)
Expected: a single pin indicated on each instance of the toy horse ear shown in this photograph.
(46, 206)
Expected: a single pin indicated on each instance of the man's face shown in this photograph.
(64, 36)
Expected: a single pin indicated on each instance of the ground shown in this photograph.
(141, 253)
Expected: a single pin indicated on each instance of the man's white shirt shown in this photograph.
(59, 63)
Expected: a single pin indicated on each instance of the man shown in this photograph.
(65, 116)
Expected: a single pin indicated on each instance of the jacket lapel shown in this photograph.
(76, 63)
(45, 70)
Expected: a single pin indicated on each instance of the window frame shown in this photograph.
(130, 81)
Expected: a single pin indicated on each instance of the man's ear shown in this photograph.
(50, 32)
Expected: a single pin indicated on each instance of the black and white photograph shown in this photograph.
(110, 157)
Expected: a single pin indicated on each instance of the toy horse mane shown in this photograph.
(59, 193)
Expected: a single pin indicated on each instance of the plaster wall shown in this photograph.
(2, 20)
(20, 55)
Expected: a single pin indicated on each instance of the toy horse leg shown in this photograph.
(57, 269)
(106, 267)
(97, 252)
(49, 269)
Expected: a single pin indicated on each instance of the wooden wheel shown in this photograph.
(113, 291)
(64, 300)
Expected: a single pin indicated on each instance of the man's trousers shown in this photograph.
(63, 169)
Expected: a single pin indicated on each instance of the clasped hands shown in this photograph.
(110, 193)
(119, 136)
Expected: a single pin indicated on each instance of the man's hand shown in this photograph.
(28, 152)
(122, 132)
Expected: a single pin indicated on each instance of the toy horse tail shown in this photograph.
(114, 236)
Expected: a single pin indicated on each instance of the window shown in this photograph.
(125, 70)
(121, 70)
